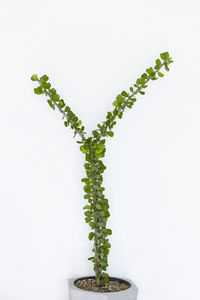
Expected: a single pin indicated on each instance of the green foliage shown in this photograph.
(105, 278)
(87, 188)
(124, 93)
(55, 97)
(164, 55)
(160, 74)
(110, 133)
(44, 78)
(96, 210)
(38, 90)
(91, 235)
(52, 91)
(82, 148)
(51, 104)
(91, 258)
(158, 62)
(34, 77)
(46, 85)
(61, 103)
(150, 70)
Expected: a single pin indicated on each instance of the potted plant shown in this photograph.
(100, 286)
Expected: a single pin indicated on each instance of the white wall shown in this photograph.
(92, 50)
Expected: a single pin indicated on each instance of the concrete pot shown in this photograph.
(76, 293)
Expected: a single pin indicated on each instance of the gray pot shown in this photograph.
(76, 293)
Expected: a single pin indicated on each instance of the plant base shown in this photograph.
(76, 293)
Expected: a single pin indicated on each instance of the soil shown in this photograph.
(89, 284)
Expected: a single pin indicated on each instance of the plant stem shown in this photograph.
(134, 93)
(96, 229)
(64, 114)
(140, 87)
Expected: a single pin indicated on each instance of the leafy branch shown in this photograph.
(93, 147)
(55, 101)
(125, 99)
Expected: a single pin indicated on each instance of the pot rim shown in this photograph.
(132, 286)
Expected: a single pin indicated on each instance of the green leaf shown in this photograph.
(67, 109)
(108, 231)
(101, 224)
(160, 74)
(51, 104)
(104, 265)
(130, 104)
(131, 89)
(110, 133)
(44, 78)
(115, 103)
(158, 62)
(105, 207)
(166, 67)
(140, 81)
(108, 122)
(106, 251)
(90, 258)
(98, 206)
(96, 187)
(52, 91)
(106, 245)
(46, 85)
(164, 55)
(144, 75)
(38, 90)
(150, 71)
(133, 99)
(87, 188)
(99, 155)
(120, 99)
(105, 278)
(102, 213)
(141, 92)
(88, 213)
(104, 275)
(124, 93)
(100, 147)
(85, 179)
(55, 97)
(88, 219)
(34, 77)
(61, 103)
(86, 207)
(107, 214)
(120, 115)
(91, 235)
(83, 149)
(115, 112)
(95, 133)
(92, 225)
(98, 234)
(109, 115)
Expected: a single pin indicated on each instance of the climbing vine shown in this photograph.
(97, 208)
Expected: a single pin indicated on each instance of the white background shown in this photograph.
(92, 50)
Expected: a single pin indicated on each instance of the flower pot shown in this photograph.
(76, 293)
